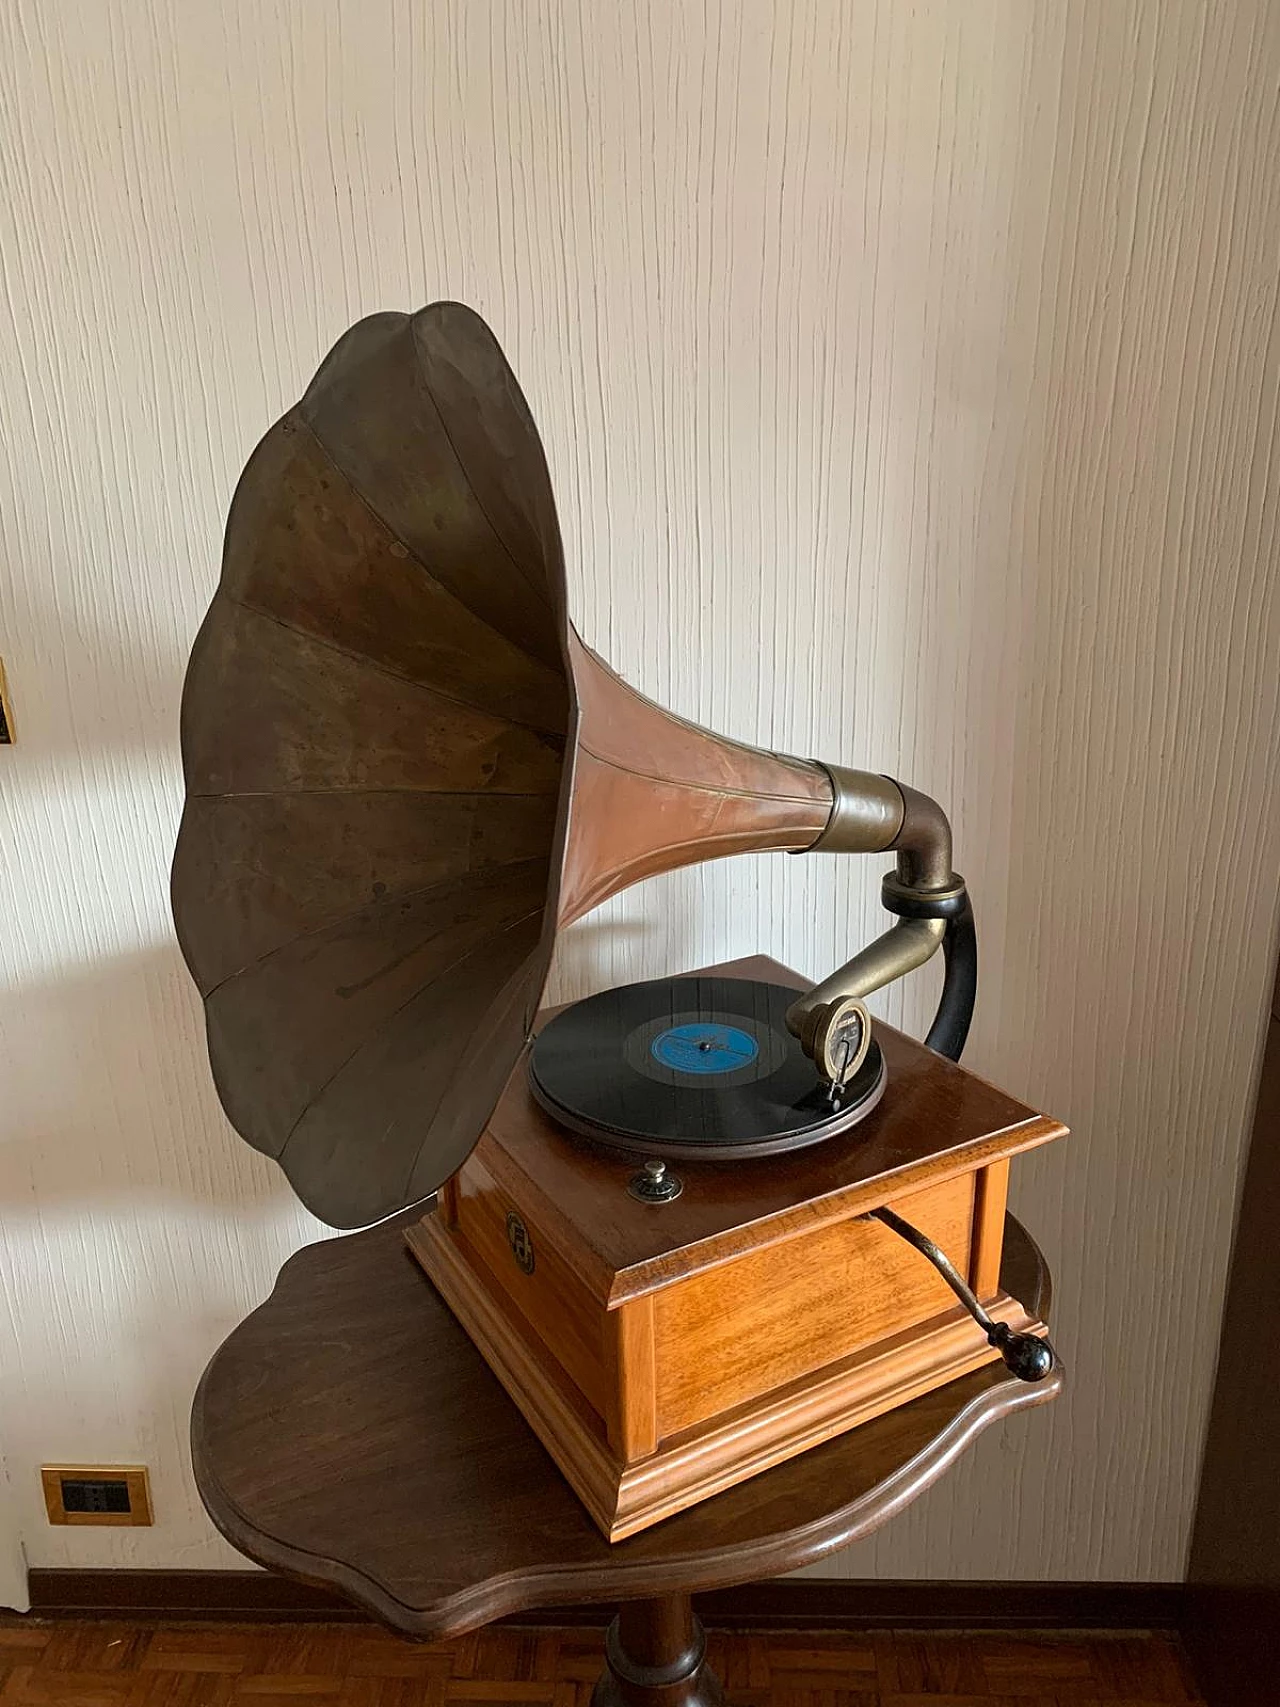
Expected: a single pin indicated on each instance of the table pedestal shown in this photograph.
(655, 1656)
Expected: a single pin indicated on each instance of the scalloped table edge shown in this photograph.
(466, 1609)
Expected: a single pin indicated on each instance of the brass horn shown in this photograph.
(405, 772)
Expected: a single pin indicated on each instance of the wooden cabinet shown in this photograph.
(664, 1352)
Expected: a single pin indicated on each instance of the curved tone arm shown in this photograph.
(902, 948)
(873, 814)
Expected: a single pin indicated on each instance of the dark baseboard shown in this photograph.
(244, 1595)
(789, 1603)
(850, 1604)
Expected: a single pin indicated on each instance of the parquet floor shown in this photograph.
(354, 1665)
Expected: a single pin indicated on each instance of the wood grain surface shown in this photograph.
(704, 1458)
(729, 1334)
(119, 1663)
(349, 1433)
(908, 377)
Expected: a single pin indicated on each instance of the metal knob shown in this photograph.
(1025, 1355)
(653, 1184)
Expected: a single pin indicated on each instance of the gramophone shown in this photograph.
(676, 1217)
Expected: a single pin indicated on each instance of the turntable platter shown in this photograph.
(692, 1067)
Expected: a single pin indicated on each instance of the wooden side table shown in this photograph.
(348, 1433)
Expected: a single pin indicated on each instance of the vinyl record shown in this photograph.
(690, 1067)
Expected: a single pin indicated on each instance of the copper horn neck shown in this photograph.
(652, 792)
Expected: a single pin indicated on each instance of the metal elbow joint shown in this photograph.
(876, 814)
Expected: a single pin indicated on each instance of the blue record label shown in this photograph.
(704, 1048)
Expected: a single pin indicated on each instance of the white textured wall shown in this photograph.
(13, 1561)
(909, 379)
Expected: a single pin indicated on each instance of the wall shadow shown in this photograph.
(129, 1113)
(109, 1098)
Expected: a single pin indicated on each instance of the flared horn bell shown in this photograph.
(404, 770)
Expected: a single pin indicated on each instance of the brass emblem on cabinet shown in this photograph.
(520, 1242)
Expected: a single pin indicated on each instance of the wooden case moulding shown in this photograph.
(664, 1352)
